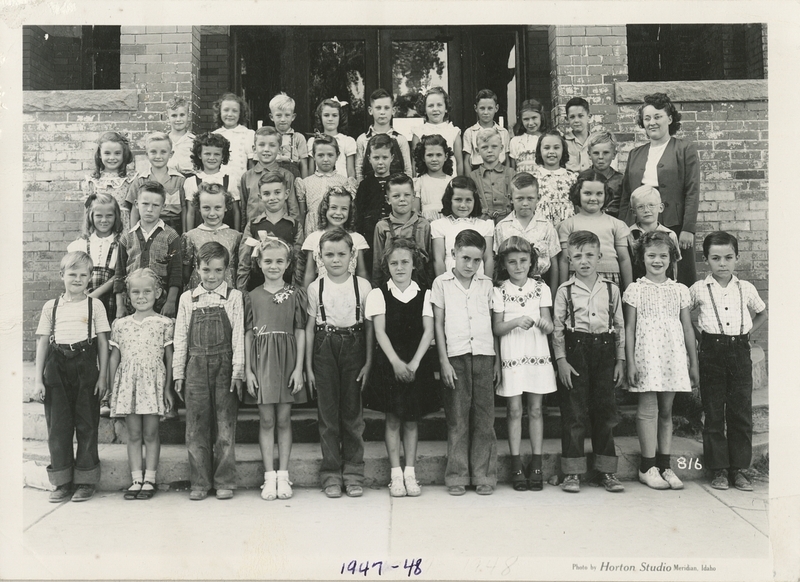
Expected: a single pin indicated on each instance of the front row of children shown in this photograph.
(220, 345)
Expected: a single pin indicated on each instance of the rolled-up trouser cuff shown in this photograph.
(573, 465)
(87, 476)
(59, 477)
(605, 463)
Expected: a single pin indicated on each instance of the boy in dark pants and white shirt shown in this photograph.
(726, 372)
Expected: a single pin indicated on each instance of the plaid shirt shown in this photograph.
(733, 305)
(161, 251)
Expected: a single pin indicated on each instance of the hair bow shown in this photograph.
(336, 100)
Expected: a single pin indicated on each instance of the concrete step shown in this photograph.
(687, 461)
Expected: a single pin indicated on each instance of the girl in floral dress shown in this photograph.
(554, 179)
(658, 335)
(141, 366)
(111, 175)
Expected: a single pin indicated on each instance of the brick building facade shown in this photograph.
(726, 119)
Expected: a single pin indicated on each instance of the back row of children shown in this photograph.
(152, 243)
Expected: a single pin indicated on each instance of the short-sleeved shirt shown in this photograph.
(99, 249)
(467, 314)
(522, 149)
(494, 188)
(539, 232)
(448, 228)
(471, 147)
(430, 191)
(578, 153)
(347, 147)
(71, 324)
(339, 300)
(312, 244)
(611, 231)
(376, 302)
(181, 159)
(191, 185)
(733, 309)
(293, 147)
(242, 148)
(446, 129)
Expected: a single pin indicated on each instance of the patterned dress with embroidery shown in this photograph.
(525, 355)
(554, 204)
(116, 185)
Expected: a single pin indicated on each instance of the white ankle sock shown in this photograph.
(150, 476)
(136, 476)
(409, 473)
(397, 473)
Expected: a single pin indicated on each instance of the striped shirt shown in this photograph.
(234, 309)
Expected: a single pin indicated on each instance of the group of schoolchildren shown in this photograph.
(259, 267)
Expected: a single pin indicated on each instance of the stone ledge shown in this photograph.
(94, 100)
(693, 91)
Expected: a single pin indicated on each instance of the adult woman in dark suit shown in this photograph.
(670, 165)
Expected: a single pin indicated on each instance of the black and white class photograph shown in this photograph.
(343, 291)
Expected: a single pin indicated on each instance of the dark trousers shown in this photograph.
(71, 407)
(469, 410)
(591, 399)
(726, 388)
(211, 410)
(687, 270)
(338, 358)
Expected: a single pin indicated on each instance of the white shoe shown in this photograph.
(412, 486)
(653, 479)
(672, 479)
(397, 488)
(284, 485)
(269, 488)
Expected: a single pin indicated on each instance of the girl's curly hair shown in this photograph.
(211, 139)
(127, 154)
(244, 110)
(212, 189)
(417, 256)
(419, 154)
(654, 238)
(465, 183)
(324, 205)
(383, 140)
(536, 107)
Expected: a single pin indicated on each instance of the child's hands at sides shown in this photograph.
(296, 382)
(38, 391)
(633, 374)
(363, 375)
(101, 388)
(311, 382)
(169, 400)
(694, 374)
(179, 389)
(565, 372)
(236, 386)
(498, 373)
(169, 309)
(619, 373)
(252, 383)
(448, 375)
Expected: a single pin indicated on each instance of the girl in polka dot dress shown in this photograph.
(659, 333)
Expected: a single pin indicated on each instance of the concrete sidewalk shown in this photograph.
(509, 535)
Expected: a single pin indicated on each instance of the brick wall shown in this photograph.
(214, 72)
(54, 61)
(60, 129)
(727, 120)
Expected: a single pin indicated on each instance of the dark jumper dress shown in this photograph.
(409, 401)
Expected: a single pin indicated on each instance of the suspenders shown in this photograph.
(571, 308)
(72, 347)
(108, 256)
(322, 306)
(716, 312)
(225, 181)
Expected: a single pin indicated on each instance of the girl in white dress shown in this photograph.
(141, 366)
(521, 319)
(658, 335)
(435, 107)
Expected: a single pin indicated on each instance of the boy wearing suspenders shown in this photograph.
(589, 346)
(337, 364)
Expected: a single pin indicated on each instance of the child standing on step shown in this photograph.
(72, 340)
(403, 383)
(589, 346)
(209, 361)
(338, 360)
(726, 371)
(659, 334)
(141, 369)
(275, 343)
(521, 319)
(462, 300)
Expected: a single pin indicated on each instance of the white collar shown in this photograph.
(139, 225)
(202, 226)
(711, 280)
(222, 290)
(412, 287)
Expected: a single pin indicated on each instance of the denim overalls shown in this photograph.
(726, 389)
(71, 406)
(593, 355)
(339, 355)
(211, 407)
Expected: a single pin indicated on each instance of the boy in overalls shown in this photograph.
(209, 360)
(73, 338)
(589, 346)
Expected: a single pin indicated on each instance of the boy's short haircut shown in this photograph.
(399, 179)
(211, 188)
(380, 94)
(581, 238)
(271, 178)
(267, 130)
(154, 187)
(334, 236)
(176, 102)
(469, 238)
(282, 102)
(599, 137)
(643, 192)
(577, 102)
(212, 250)
(487, 133)
(720, 238)
(523, 180)
(486, 94)
(156, 136)
(76, 259)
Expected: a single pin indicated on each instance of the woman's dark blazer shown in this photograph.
(678, 183)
